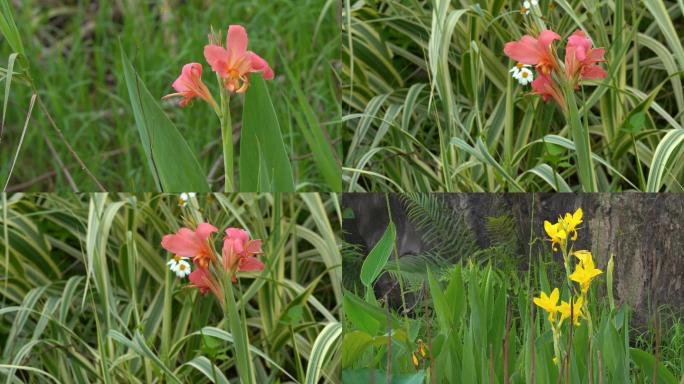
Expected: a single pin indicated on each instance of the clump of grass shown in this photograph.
(431, 105)
(87, 296)
(71, 52)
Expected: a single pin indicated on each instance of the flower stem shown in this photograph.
(237, 328)
(580, 136)
(227, 141)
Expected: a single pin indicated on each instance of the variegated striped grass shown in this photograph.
(87, 296)
(430, 104)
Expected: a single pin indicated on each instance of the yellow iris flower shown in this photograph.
(556, 233)
(548, 302)
(576, 309)
(585, 271)
(571, 221)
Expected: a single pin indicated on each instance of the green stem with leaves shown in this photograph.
(580, 136)
(227, 141)
(236, 327)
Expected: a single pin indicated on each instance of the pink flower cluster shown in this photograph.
(233, 63)
(581, 62)
(238, 254)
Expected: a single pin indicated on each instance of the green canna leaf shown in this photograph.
(172, 163)
(378, 256)
(264, 162)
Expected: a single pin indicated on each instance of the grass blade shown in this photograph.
(21, 141)
(662, 156)
(325, 344)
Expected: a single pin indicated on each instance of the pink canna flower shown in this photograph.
(235, 62)
(535, 51)
(581, 63)
(202, 279)
(581, 59)
(195, 244)
(545, 87)
(239, 253)
(189, 85)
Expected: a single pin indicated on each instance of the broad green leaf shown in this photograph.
(647, 363)
(378, 256)
(456, 294)
(353, 346)
(364, 316)
(440, 302)
(262, 150)
(353, 376)
(171, 161)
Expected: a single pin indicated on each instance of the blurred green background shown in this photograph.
(72, 48)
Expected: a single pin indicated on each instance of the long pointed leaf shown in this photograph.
(169, 156)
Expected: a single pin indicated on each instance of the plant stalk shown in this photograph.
(243, 358)
(227, 141)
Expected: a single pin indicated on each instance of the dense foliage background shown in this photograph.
(86, 295)
(430, 104)
(72, 48)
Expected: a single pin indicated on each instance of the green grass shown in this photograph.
(86, 296)
(72, 49)
(430, 106)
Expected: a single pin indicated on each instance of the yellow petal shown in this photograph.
(549, 228)
(555, 294)
(584, 256)
(577, 216)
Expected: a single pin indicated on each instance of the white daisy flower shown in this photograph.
(185, 197)
(182, 269)
(525, 76)
(516, 69)
(173, 263)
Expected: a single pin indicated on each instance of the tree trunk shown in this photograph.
(643, 232)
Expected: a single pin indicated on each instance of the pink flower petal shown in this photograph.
(237, 233)
(236, 41)
(250, 264)
(217, 57)
(230, 253)
(204, 230)
(260, 65)
(524, 51)
(594, 72)
(202, 279)
(183, 243)
(547, 36)
(253, 247)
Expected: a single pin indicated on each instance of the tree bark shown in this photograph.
(643, 232)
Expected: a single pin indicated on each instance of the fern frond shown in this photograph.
(444, 231)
